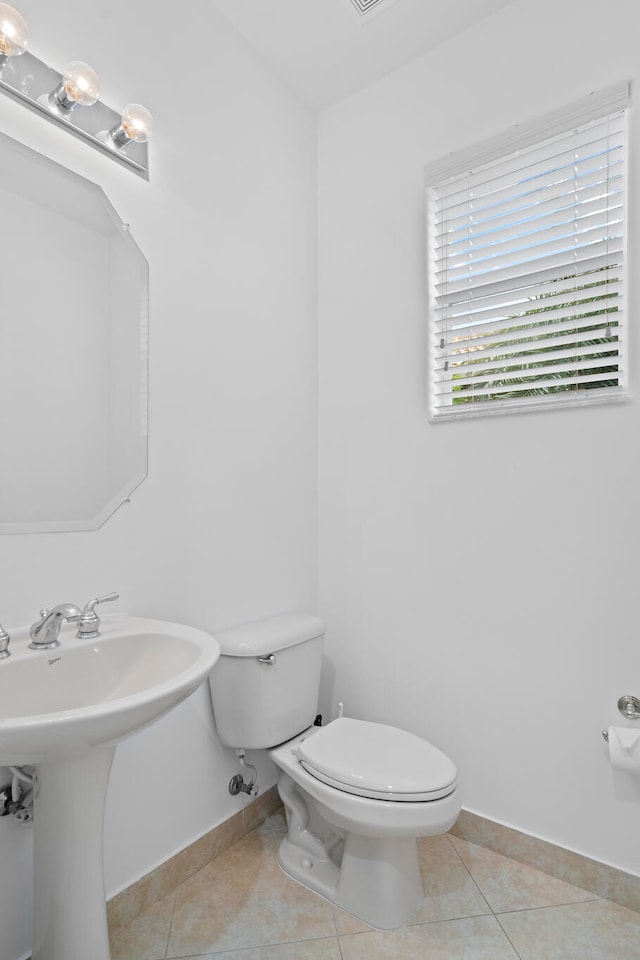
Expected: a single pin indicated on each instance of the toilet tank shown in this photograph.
(265, 684)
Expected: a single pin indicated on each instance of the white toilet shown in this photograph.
(357, 794)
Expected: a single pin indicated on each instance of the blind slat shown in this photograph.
(550, 202)
(559, 262)
(547, 384)
(503, 314)
(574, 164)
(605, 367)
(578, 359)
(580, 313)
(549, 291)
(563, 220)
(588, 269)
(476, 352)
(600, 224)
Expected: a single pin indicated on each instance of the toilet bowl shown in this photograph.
(357, 794)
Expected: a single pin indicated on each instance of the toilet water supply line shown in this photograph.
(18, 801)
(237, 784)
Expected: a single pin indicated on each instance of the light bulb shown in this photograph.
(136, 124)
(14, 33)
(79, 85)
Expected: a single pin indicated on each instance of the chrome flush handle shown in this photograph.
(270, 660)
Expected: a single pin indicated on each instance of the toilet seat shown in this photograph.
(377, 761)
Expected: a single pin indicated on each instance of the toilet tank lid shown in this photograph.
(262, 637)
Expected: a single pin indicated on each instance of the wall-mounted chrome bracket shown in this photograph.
(629, 707)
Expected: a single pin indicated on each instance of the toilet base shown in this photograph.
(376, 880)
(357, 852)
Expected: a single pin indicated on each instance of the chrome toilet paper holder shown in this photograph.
(629, 707)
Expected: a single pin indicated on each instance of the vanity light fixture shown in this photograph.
(55, 96)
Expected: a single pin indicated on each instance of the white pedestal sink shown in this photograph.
(64, 710)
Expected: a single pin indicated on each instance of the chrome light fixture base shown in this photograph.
(32, 82)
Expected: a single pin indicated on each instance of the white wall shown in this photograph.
(223, 529)
(478, 578)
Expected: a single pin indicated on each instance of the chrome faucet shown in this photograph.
(4, 643)
(44, 633)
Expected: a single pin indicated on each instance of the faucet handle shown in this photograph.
(90, 621)
(4, 643)
(90, 607)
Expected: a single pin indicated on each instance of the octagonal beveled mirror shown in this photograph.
(73, 349)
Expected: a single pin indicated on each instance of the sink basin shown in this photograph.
(64, 710)
(85, 693)
(60, 702)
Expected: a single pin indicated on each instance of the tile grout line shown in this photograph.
(553, 906)
(335, 927)
(478, 888)
(173, 909)
(211, 954)
(509, 940)
(471, 877)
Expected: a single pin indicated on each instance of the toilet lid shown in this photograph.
(377, 761)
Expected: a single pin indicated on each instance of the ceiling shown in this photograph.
(326, 50)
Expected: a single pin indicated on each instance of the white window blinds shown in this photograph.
(526, 268)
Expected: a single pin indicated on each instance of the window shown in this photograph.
(526, 243)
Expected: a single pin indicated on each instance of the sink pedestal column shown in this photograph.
(69, 904)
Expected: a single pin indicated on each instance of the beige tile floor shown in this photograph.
(478, 905)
